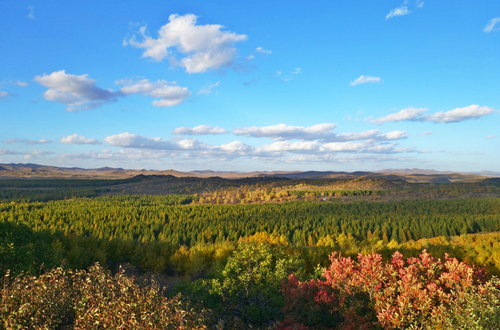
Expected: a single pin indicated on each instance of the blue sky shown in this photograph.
(243, 86)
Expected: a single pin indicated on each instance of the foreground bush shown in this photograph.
(92, 299)
(419, 293)
(250, 282)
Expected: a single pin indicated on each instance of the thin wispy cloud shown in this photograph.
(207, 90)
(452, 116)
(6, 152)
(460, 114)
(42, 141)
(399, 11)
(35, 154)
(493, 25)
(262, 50)
(199, 130)
(403, 115)
(366, 80)
(5, 95)
(200, 47)
(426, 133)
(419, 4)
(31, 14)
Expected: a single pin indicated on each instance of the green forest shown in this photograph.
(248, 253)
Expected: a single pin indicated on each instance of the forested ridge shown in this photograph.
(154, 218)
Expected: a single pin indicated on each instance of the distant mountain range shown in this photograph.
(410, 175)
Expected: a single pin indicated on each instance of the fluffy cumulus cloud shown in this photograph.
(365, 80)
(200, 47)
(78, 139)
(41, 141)
(394, 135)
(321, 132)
(399, 11)
(168, 93)
(493, 25)
(460, 114)
(285, 132)
(129, 140)
(82, 93)
(199, 130)
(77, 92)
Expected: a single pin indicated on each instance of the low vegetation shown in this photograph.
(332, 259)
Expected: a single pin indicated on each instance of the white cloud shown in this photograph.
(452, 116)
(282, 146)
(460, 114)
(40, 152)
(285, 132)
(5, 95)
(78, 139)
(263, 51)
(490, 137)
(208, 89)
(42, 141)
(371, 134)
(202, 47)
(400, 11)
(199, 130)
(31, 14)
(296, 71)
(18, 83)
(128, 140)
(35, 154)
(74, 91)
(5, 152)
(425, 133)
(235, 146)
(405, 114)
(119, 155)
(419, 3)
(394, 135)
(323, 132)
(365, 79)
(493, 25)
(170, 93)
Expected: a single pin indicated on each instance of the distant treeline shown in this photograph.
(66, 183)
(45, 195)
(339, 192)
